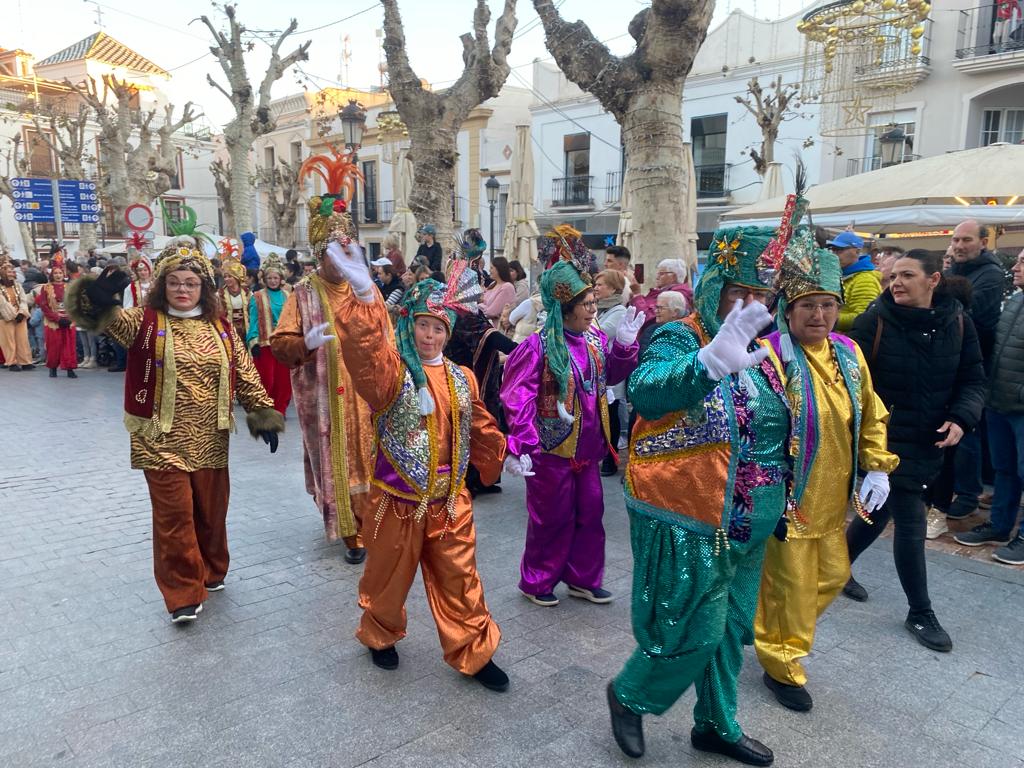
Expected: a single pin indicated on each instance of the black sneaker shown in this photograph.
(982, 534)
(855, 591)
(72, 374)
(926, 628)
(385, 658)
(599, 596)
(793, 697)
(355, 555)
(1012, 553)
(745, 749)
(548, 600)
(492, 677)
(28, 367)
(609, 467)
(14, 368)
(186, 614)
(215, 586)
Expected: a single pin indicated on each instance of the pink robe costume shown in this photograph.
(564, 535)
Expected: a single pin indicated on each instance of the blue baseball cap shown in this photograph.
(846, 240)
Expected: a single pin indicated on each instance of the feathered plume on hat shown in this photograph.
(328, 213)
(469, 246)
(565, 243)
(229, 248)
(186, 226)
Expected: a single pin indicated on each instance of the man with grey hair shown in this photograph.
(971, 259)
(671, 276)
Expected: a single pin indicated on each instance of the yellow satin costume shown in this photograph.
(803, 575)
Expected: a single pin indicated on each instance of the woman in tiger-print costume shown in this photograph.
(185, 366)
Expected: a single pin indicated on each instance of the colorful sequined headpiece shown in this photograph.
(732, 259)
(558, 287)
(441, 301)
(183, 253)
(233, 267)
(274, 263)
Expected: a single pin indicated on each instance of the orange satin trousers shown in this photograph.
(190, 537)
(395, 546)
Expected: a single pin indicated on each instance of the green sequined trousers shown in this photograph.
(693, 611)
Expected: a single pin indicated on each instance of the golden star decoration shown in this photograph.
(726, 254)
(856, 111)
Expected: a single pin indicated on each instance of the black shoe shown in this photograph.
(547, 601)
(385, 658)
(926, 628)
(215, 586)
(958, 510)
(608, 467)
(355, 555)
(492, 678)
(855, 591)
(72, 375)
(53, 373)
(793, 697)
(746, 750)
(29, 367)
(627, 726)
(982, 534)
(187, 614)
(598, 595)
(14, 368)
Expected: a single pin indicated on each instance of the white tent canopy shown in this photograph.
(938, 191)
(263, 248)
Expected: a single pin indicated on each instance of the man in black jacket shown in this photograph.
(982, 267)
(1005, 421)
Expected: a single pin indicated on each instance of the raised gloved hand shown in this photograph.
(874, 490)
(781, 529)
(316, 338)
(103, 291)
(519, 466)
(727, 352)
(349, 261)
(630, 327)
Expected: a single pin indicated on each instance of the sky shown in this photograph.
(171, 35)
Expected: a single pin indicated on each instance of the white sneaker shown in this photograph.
(88, 363)
(936, 523)
(623, 443)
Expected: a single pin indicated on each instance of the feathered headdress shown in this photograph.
(469, 246)
(229, 248)
(565, 243)
(137, 241)
(186, 226)
(328, 213)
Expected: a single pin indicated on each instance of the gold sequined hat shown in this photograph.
(329, 217)
(184, 253)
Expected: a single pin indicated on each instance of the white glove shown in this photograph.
(630, 326)
(874, 490)
(519, 466)
(316, 338)
(727, 352)
(348, 260)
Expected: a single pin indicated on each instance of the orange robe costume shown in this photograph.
(337, 426)
(433, 530)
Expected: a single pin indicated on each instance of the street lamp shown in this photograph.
(893, 142)
(353, 121)
(492, 186)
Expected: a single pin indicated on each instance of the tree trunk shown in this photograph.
(86, 236)
(652, 134)
(241, 185)
(27, 242)
(434, 160)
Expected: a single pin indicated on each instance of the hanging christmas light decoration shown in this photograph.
(393, 134)
(859, 55)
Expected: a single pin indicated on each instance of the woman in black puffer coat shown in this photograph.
(926, 365)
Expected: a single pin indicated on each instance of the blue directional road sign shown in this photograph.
(76, 202)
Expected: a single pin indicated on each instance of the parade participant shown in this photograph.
(555, 397)
(14, 314)
(839, 428)
(926, 364)
(234, 297)
(430, 424)
(265, 307)
(185, 367)
(336, 423)
(60, 333)
(141, 276)
(705, 488)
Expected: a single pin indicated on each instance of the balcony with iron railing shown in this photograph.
(712, 181)
(856, 165)
(572, 192)
(375, 211)
(987, 43)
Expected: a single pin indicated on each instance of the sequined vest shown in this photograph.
(800, 391)
(685, 468)
(556, 436)
(407, 456)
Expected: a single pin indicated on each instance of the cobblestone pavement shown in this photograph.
(92, 673)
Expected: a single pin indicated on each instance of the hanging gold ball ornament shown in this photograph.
(888, 5)
(917, 32)
(858, 6)
(915, 49)
(913, 3)
(923, 10)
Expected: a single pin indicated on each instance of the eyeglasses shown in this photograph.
(811, 307)
(589, 304)
(189, 285)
